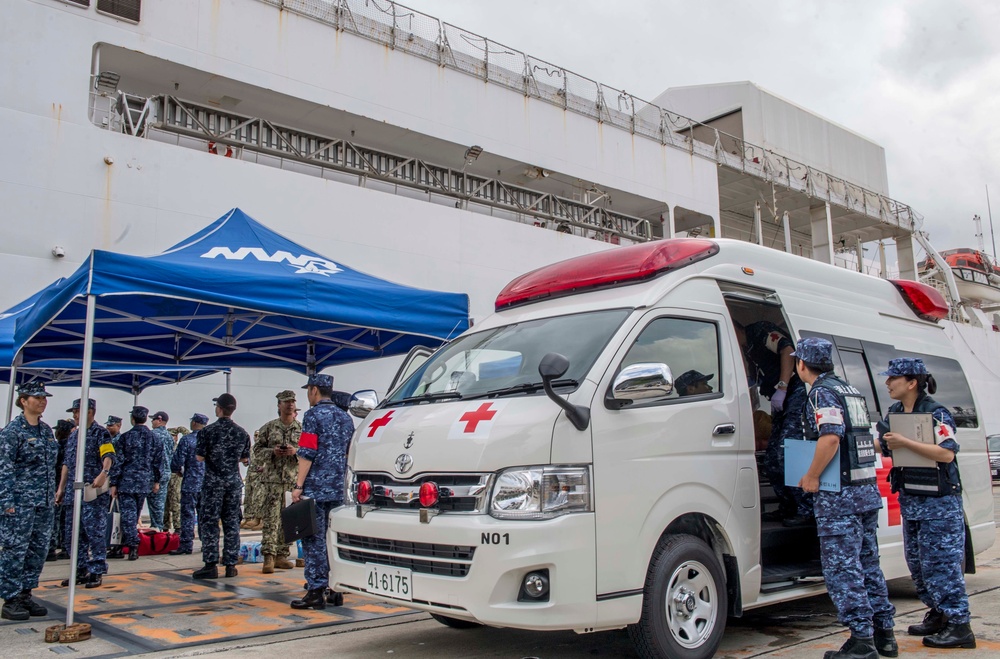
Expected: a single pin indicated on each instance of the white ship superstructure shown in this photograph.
(407, 147)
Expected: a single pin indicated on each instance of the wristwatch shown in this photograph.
(105, 471)
(781, 385)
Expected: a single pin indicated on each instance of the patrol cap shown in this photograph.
(199, 418)
(321, 381)
(32, 389)
(160, 416)
(64, 425)
(225, 401)
(691, 378)
(905, 366)
(179, 430)
(112, 420)
(76, 405)
(287, 394)
(140, 412)
(814, 350)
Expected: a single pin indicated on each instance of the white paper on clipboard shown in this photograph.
(918, 427)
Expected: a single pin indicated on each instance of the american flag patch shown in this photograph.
(943, 431)
(831, 415)
(772, 340)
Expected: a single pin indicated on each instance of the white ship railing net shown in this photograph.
(416, 33)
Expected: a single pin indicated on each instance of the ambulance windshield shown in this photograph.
(504, 360)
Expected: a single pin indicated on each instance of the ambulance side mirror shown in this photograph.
(552, 367)
(362, 403)
(640, 382)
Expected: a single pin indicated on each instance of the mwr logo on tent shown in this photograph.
(306, 264)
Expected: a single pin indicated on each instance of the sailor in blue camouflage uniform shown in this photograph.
(157, 502)
(192, 473)
(28, 454)
(322, 453)
(835, 416)
(98, 458)
(114, 428)
(767, 352)
(930, 501)
(221, 446)
(135, 473)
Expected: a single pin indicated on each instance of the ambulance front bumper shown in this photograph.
(470, 567)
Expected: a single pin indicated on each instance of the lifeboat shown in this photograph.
(977, 276)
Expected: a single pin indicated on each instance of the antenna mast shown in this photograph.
(979, 232)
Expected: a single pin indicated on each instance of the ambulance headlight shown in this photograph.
(540, 492)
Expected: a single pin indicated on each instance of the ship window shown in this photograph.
(82, 3)
(127, 9)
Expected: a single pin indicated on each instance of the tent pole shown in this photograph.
(228, 383)
(81, 448)
(10, 391)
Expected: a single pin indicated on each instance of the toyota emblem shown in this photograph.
(404, 463)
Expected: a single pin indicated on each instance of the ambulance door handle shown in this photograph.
(724, 429)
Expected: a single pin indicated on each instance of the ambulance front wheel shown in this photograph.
(455, 623)
(683, 602)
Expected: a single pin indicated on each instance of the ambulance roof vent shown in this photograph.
(613, 267)
(925, 300)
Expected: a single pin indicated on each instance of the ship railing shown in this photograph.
(121, 112)
(252, 138)
(410, 31)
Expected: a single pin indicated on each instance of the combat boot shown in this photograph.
(885, 643)
(94, 581)
(133, 553)
(13, 609)
(268, 564)
(231, 571)
(209, 571)
(934, 621)
(952, 636)
(334, 598)
(31, 606)
(856, 647)
(256, 525)
(314, 599)
(282, 563)
(81, 578)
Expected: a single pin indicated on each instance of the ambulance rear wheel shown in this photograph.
(683, 602)
(455, 623)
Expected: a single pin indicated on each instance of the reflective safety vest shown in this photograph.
(857, 446)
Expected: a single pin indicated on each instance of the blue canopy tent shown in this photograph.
(132, 378)
(235, 293)
(238, 294)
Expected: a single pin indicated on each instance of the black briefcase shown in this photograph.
(299, 520)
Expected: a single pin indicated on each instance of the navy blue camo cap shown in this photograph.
(32, 389)
(199, 418)
(905, 366)
(112, 420)
(321, 381)
(814, 350)
(76, 405)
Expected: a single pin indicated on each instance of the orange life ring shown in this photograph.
(213, 148)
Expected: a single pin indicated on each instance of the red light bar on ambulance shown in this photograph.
(613, 267)
(925, 300)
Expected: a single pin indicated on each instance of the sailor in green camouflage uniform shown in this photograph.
(274, 455)
(251, 496)
(172, 510)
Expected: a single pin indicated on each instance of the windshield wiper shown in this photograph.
(425, 398)
(525, 388)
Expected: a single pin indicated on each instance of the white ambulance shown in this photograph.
(543, 471)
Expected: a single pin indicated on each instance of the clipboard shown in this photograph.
(918, 427)
(798, 458)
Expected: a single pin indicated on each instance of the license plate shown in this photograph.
(395, 582)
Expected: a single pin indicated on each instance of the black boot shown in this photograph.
(885, 643)
(952, 636)
(31, 606)
(314, 599)
(231, 571)
(334, 598)
(81, 578)
(856, 647)
(94, 581)
(797, 521)
(133, 553)
(116, 553)
(934, 621)
(13, 609)
(209, 571)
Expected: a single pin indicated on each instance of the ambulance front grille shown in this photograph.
(422, 557)
(459, 493)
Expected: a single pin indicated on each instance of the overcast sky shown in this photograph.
(919, 77)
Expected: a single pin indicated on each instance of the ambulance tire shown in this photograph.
(683, 602)
(455, 623)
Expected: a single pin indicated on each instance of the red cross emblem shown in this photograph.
(774, 336)
(472, 418)
(944, 430)
(378, 423)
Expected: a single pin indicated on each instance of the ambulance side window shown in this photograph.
(689, 347)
